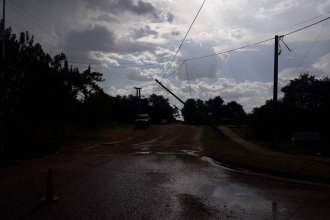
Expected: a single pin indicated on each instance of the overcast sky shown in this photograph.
(132, 41)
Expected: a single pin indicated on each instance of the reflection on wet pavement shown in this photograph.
(193, 180)
(177, 186)
(158, 179)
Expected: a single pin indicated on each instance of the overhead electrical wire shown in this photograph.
(263, 41)
(304, 21)
(230, 50)
(176, 53)
(33, 19)
(188, 79)
(23, 30)
(36, 21)
(305, 27)
(310, 48)
(106, 66)
(256, 43)
(178, 69)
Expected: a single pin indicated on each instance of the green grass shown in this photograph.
(231, 153)
(244, 131)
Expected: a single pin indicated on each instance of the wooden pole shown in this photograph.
(274, 117)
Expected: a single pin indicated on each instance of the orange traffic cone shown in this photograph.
(50, 197)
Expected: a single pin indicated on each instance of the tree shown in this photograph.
(41, 93)
(235, 111)
(159, 108)
(195, 112)
(308, 100)
(216, 108)
(305, 107)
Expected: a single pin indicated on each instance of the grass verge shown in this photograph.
(292, 166)
(306, 149)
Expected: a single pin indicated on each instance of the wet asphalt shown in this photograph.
(149, 182)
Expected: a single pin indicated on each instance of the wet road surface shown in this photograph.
(160, 174)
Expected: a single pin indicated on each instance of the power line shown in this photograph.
(230, 50)
(308, 26)
(304, 21)
(188, 79)
(178, 69)
(184, 38)
(23, 30)
(310, 48)
(256, 43)
(107, 66)
(37, 21)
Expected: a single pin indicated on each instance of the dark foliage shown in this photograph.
(304, 107)
(39, 93)
(42, 98)
(214, 110)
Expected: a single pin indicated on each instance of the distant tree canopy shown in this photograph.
(103, 108)
(304, 107)
(201, 112)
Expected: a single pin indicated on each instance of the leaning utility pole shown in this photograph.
(274, 117)
(3, 83)
(169, 91)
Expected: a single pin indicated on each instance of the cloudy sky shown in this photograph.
(133, 41)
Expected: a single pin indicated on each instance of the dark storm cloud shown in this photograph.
(106, 18)
(175, 33)
(145, 31)
(118, 6)
(99, 38)
(93, 39)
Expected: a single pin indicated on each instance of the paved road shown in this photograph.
(157, 173)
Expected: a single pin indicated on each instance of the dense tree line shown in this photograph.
(213, 110)
(42, 97)
(105, 109)
(304, 107)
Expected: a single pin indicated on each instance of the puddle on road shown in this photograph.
(236, 197)
(194, 207)
(213, 185)
(142, 152)
(191, 152)
(201, 180)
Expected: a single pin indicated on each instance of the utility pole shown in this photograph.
(210, 123)
(138, 92)
(169, 91)
(138, 96)
(274, 117)
(3, 83)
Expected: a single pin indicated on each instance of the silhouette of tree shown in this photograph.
(234, 111)
(216, 108)
(195, 112)
(41, 93)
(304, 107)
(159, 108)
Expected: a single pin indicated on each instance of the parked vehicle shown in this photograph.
(142, 121)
